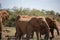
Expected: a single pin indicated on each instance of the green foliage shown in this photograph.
(14, 12)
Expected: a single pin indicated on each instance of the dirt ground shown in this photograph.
(10, 31)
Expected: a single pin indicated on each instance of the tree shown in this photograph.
(26, 11)
(35, 12)
(52, 12)
(57, 14)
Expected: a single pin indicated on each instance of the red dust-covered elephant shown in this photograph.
(52, 25)
(3, 16)
(38, 25)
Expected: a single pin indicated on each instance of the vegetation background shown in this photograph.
(14, 12)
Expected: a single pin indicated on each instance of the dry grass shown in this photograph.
(8, 31)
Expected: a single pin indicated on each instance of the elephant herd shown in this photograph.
(40, 25)
(27, 25)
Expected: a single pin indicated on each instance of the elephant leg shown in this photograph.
(32, 34)
(37, 33)
(0, 31)
(28, 37)
(57, 30)
(40, 36)
(18, 36)
(52, 33)
(0, 35)
(46, 37)
(28, 34)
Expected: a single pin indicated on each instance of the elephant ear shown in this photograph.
(41, 20)
(5, 15)
(17, 18)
